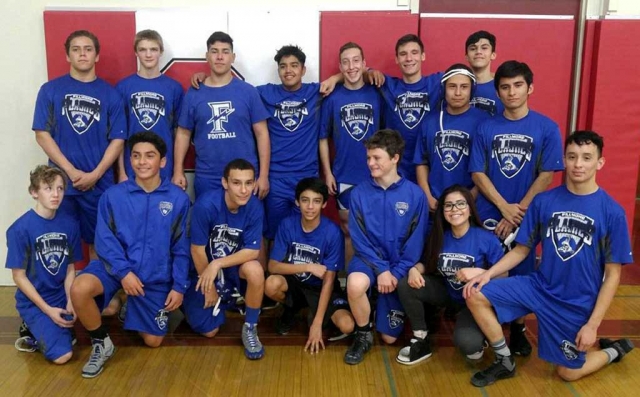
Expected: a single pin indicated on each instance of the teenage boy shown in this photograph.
(152, 100)
(513, 158)
(388, 224)
(42, 246)
(583, 248)
(226, 231)
(143, 248)
(480, 50)
(79, 123)
(227, 120)
(307, 253)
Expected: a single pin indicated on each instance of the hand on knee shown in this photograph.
(63, 359)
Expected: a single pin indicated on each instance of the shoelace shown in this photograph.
(252, 338)
(96, 354)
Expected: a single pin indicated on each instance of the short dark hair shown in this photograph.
(290, 50)
(82, 33)
(221, 37)
(389, 140)
(238, 164)
(349, 45)
(316, 185)
(585, 137)
(510, 69)
(45, 174)
(479, 35)
(148, 34)
(148, 137)
(409, 38)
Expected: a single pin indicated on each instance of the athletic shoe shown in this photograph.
(253, 349)
(518, 343)
(26, 344)
(622, 346)
(74, 339)
(419, 350)
(122, 313)
(477, 356)
(102, 350)
(338, 335)
(498, 370)
(361, 344)
(285, 322)
(269, 304)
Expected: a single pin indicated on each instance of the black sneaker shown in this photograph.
(518, 343)
(361, 344)
(498, 370)
(622, 346)
(419, 350)
(285, 322)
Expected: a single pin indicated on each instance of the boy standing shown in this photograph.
(480, 50)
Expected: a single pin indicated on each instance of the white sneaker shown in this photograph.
(102, 350)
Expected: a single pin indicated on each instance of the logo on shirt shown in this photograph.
(291, 114)
(165, 207)
(569, 350)
(148, 108)
(220, 112)
(299, 253)
(224, 241)
(52, 249)
(402, 207)
(411, 107)
(396, 318)
(450, 263)
(570, 231)
(512, 151)
(452, 146)
(356, 119)
(486, 104)
(162, 319)
(81, 111)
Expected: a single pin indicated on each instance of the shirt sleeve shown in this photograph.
(75, 243)
(258, 111)
(202, 216)
(19, 250)
(421, 153)
(252, 237)
(180, 251)
(478, 161)
(617, 244)
(334, 255)
(43, 117)
(411, 250)
(493, 250)
(117, 121)
(326, 120)
(281, 242)
(552, 149)
(177, 104)
(529, 230)
(108, 247)
(187, 118)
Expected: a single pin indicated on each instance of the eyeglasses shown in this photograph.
(461, 205)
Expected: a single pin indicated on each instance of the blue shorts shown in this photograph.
(279, 203)
(558, 325)
(344, 195)
(144, 313)
(389, 311)
(84, 208)
(53, 340)
(202, 185)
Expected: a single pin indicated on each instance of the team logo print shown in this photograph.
(450, 263)
(512, 151)
(162, 319)
(486, 104)
(224, 241)
(396, 318)
(81, 111)
(402, 208)
(356, 119)
(452, 146)
(299, 253)
(220, 112)
(148, 108)
(569, 350)
(165, 207)
(411, 107)
(570, 231)
(291, 114)
(52, 250)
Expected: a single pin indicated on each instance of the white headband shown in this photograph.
(454, 72)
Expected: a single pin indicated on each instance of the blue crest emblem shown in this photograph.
(81, 111)
(570, 231)
(411, 107)
(165, 207)
(356, 118)
(162, 319)
(148, 108)
(452, 146)
(291, 113)
(569, 350)
(512, 151)
(52, 250)
(396, 318)
(401, 208)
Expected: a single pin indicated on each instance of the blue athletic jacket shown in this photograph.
(388, 227)
(145, 233)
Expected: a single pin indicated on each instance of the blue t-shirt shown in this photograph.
(579, 235)
(446, 152)
(82, 118)
(323, 245)
(151, 105)
(44, 248)
(486, 98)
(293, 129)
(351, 117)
(512, 153)
(477, 248)
(406, 106)
(222, 119)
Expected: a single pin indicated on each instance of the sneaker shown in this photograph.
(102, 350)
(361, 344)
(269, 304)
(477, 356)
(622, 346)
(338, 335)
(252, 347)
(417, 351)
(122, 313)
(518, 343)
(74, 339)
(285, 322)
(498, 370)
(26, 344)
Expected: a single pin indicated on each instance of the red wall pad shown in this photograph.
(115, 30)
(589, 60)
(615, 111)
(375, 32)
